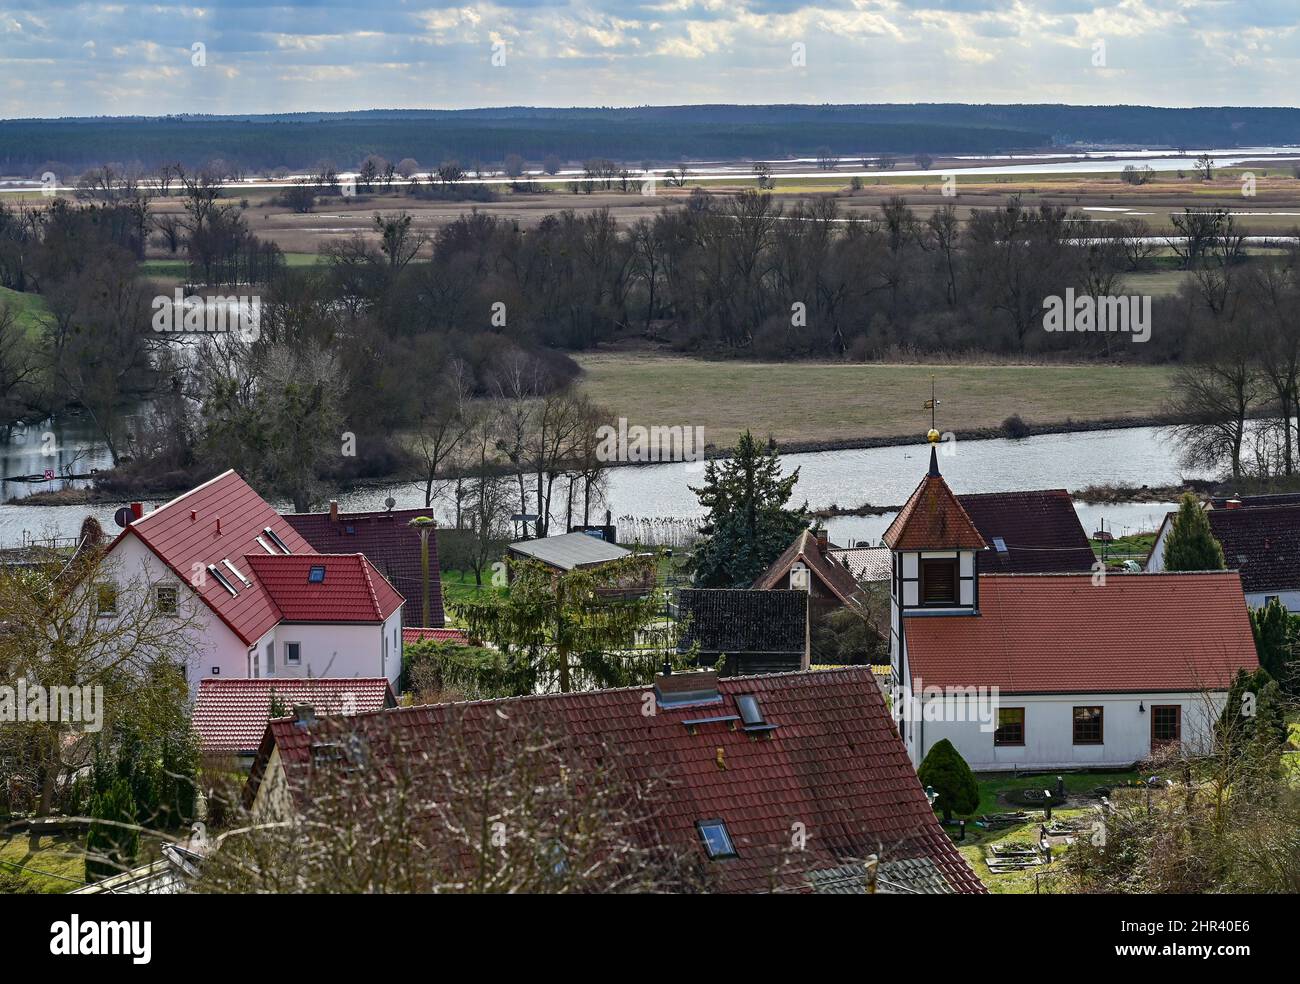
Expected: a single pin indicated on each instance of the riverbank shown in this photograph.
(1025, 429)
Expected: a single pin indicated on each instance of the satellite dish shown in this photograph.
(390, 502)
(123, 517)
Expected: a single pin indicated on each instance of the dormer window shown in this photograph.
(939, 581)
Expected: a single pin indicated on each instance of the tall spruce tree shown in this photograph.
(747, 524)
(1274, 640)
(1191, 545)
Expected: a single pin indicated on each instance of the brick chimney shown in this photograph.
(137, 509)
(334, 510)
(823, 540)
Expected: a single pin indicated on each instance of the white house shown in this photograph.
(1047, 671)
(262, 602)
(1260, 536)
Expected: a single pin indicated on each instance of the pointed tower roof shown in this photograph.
(933, 519)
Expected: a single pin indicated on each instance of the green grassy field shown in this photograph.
(57, 865)
(1134, 547)
(808, 401)
(29, 308)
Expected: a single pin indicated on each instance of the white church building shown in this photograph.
(1051, 671)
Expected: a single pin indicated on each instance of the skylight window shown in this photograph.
(275, 538)
(1000, 544)
(717, 842)
(221, 579)
(316, 575)
(235, 571)
(750, 712)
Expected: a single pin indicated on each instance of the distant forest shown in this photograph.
(664, 134)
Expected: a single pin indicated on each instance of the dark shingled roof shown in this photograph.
(739, 621)
(389, 544)
(1263, 542)
(1041, 531)
(1250, 501)
(833, 763)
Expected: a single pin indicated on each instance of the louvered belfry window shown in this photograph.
(939, 582)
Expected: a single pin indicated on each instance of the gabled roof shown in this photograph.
(1040, 529)
(1262, 542)
(1252, 501)
(437, 635)
(933, 519)
(347, 588)
(1061, 633)
(738, 621)
(230, 716)
(833, 763)
(866, 564)
(388, 542)
(220, 520)
(568, 551)
(834, 576)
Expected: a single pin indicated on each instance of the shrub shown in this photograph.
(1014, 427)
(947, 772)
(111, 847)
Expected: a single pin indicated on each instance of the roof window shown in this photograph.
(221, 579)
(316, 575)
(717, 842)
(275, 538)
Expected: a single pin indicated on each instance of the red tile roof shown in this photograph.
(351, 591)
(184, 534)
(1060, 633)
(833, 575)
(834, 763)
(1041, 530)
(391, 545)
(437, 635)
(230, 716)
(933, 519)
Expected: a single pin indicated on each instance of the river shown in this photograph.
(879, 476)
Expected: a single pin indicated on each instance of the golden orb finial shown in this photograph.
(933, 436)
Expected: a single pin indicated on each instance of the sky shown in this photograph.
(60, 58)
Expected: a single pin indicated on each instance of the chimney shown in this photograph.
(823, 539)
(218, 526)
(334, 510)
(304, 715)
(1233, 503)
(137, 509)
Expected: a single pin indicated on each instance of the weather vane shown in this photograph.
(930, 405)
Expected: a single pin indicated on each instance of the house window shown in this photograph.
(106, 599)
(270, 659)
(316, 575)
(1268, 599)
(1166, 723)
(165, 597)
(939, 581)
(1088, 726)
(717, 842)
(1011, 726)
(293, 654)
